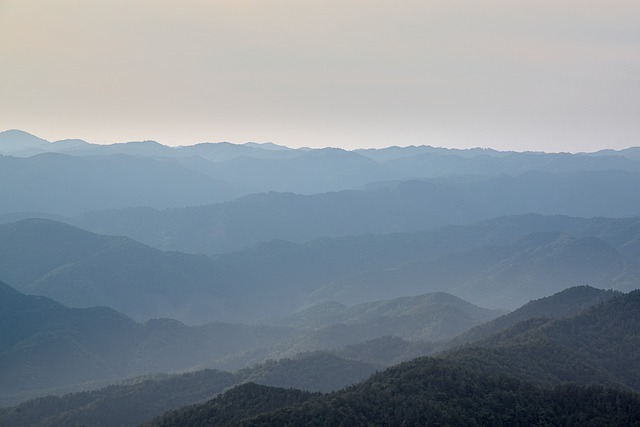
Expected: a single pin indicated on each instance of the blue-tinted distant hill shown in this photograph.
(38, 177)
(45, 345)
(499, 276)
(68, 185)
(399, 207)
(246, 168)
(495, 263)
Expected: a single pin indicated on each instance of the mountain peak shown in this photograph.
(15, 140)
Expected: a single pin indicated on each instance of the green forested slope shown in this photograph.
(243, 401)
(562, 304)
(596, 346)
(437, 392)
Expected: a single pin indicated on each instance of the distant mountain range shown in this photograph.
(596, 346)
(498, 276)
(72, 177)
(312, 269)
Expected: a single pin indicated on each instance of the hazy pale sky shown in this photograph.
(522, 75)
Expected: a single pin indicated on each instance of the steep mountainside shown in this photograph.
(598, 345)
(595, 346)
(316, 371)
(484, 385)
(566, 303)
(426, 392)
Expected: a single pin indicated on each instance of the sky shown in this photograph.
(512, 75)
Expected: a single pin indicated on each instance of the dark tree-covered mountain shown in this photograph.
(387, 350)
(565, 303)
(243, 401)
(425, 392)
(596, 346)
(503, 381)
(315, 371)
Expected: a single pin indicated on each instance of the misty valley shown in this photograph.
(253, 284)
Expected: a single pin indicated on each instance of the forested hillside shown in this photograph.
(596, 346)
(429, 392)
(591, 346)
(501, 384)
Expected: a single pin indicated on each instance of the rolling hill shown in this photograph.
(46, 346)
(498, 383)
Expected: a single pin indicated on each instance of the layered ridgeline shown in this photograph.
(424, 318)
(417, 321)
(497, 263)
(47, 347)
(311, 371)
(504, 384)
(499, 276)
(393, 349)
(385, 208)
(72, 177)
